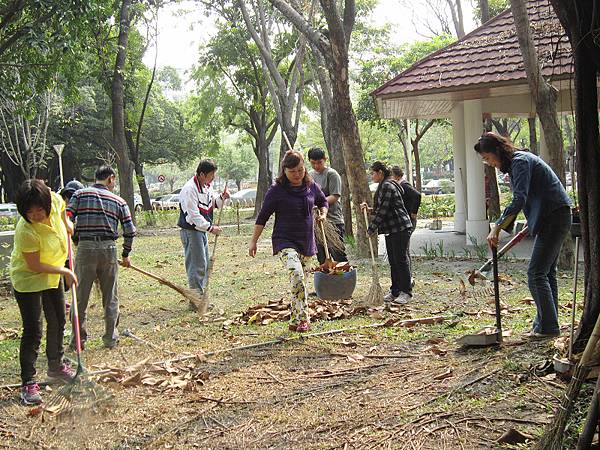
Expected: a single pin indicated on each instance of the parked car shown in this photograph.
(245, 197)
(8, 210)
(137, 202)
(169, 201)
(438, 187)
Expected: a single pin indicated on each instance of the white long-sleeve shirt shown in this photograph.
(196, 204)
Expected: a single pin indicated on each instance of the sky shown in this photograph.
(181, 34)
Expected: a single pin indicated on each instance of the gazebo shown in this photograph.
(482, 73)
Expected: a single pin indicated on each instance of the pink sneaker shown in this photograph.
(30, 394)
(64, 372)
(303, 326)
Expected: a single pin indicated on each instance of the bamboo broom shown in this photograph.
(375, 295)
(554, 432)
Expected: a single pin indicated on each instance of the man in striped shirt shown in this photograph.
(97, 213)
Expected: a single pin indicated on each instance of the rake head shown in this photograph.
(77, 397)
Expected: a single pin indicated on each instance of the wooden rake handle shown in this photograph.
(149, 274)
(366, 216)
(322, 227)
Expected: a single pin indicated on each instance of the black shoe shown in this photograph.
(312, 294)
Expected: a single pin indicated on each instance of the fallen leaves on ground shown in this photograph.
(279, 311)
(8, 334)
(161, 377)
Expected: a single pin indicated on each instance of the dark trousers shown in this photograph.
(397, 250)
(541, 275)
(52, 301)
(336, 255)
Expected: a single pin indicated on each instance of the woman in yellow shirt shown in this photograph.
(36, 265)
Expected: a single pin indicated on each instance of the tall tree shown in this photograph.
(333, 44)
(581, 21)
(233, 94)
(118, 107)
(285, 83)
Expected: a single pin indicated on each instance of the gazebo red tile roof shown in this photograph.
(487, 57)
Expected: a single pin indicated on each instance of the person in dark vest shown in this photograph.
(412, 202)
(196, 204)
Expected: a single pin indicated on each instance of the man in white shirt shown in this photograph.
(196, 204)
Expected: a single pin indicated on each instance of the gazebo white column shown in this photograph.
(477, 225)
(460, 168)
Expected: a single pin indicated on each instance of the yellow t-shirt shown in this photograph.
(50, 241)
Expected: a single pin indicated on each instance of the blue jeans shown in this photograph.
(195, 247)
(541, 275)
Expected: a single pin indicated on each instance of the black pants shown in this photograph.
(397, 250)
(336, 255)
(52, 301)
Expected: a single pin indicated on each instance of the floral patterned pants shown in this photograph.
(296, 265)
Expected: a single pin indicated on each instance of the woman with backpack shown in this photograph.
(389, 217)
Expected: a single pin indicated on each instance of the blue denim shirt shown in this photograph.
(536, 190)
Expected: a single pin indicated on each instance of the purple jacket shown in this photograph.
(293, 216)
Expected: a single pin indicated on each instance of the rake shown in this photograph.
(472, 278)
(77, 394)
(375, 295)
(185, 292)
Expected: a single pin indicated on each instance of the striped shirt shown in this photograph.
(389, 213)
(97, 212)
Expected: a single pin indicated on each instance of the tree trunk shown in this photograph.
(415, 150)
(533, 143)
(139, 170)
(484, 8)
(492, 191)
(118, 109)
(351, 145)
(331, 135)
(265, 175)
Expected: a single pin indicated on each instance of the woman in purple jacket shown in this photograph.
(292, 199)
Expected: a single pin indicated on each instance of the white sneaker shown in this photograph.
(403, 298)
(389, 297)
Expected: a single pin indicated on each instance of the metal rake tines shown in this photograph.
(77, 396)
(481, 291)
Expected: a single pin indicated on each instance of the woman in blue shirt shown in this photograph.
(540, 194)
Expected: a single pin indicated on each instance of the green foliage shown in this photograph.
(495, 8)
(45, 43)
(434, 206)
(236, 162)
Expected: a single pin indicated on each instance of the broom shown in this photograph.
(375, 295)
(553, 434)
(189, 294)
(211, 261)
(77, 393)
(331, 235)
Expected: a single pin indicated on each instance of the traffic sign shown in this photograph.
(161, 178)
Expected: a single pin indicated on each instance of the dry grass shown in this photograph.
(373, 388)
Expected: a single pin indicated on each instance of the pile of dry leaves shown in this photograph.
(279, 311)
(159, 377)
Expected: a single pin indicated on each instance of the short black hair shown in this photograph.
(378, 166)
(33, 193)
(103, 172)
(206, 166)
(316, 154)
